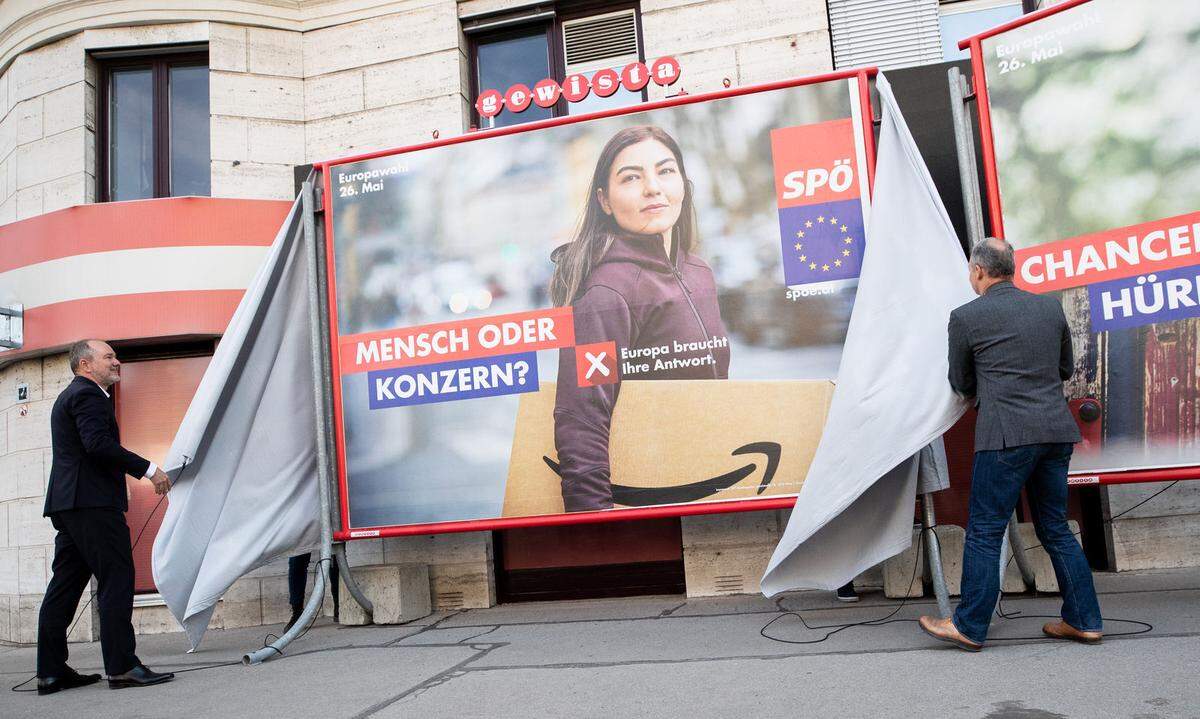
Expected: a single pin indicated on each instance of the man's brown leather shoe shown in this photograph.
(945, 630)
(1062, 630)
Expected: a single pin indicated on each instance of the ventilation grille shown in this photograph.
(887, 33)
(730, 584)
(449, 600)
(600, 38)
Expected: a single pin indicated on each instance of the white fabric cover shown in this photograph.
(892, 398)
(247, 490)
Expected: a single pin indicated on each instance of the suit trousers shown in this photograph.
(89, 542)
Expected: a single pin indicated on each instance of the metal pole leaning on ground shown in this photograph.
(1012, 540)
(322, 285)
(1018, 548)
(339, 553)
(317, 597)
(933, 552)
(1002, 565)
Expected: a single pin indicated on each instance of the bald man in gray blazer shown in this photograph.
(1011, 351)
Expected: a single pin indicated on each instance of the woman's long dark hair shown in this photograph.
(574, 261)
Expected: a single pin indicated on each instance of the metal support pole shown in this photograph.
(1018, 548)
(968, 170)
(309, 251)
(339, 548)
(339, 553)
(1003, 566)
(933, 553)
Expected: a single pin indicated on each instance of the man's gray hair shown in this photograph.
(79, 351)
(995, 256)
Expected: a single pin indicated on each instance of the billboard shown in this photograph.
(1094, 177)
(629, 313)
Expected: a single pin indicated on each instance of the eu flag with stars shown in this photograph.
(821, 242)
(819, 193)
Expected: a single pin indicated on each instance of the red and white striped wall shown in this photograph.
(169, 267)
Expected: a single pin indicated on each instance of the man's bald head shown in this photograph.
(991, 263)
(995, 258)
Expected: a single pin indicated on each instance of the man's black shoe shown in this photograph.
(846, 593)
(49, 685)
(139, 676)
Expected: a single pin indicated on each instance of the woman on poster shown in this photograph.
(633, 278)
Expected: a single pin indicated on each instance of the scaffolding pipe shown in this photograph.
(1018, 549)
(1004, 547)
(933, 552)
(315, 600)
(968, 170)
(322, 284)
(339, 554)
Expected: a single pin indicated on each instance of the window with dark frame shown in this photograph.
(153, 133)
(553, 39)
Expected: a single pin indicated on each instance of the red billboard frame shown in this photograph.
(992, 191)
(866, 113)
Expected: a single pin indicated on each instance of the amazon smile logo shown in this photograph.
(693, 491)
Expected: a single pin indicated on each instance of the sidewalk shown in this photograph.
(670, 657)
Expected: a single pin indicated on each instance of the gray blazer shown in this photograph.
(1011, 349)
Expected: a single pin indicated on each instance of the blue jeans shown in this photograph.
(996, 486)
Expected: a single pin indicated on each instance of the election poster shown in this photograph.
(1097, 148)
(596, 314)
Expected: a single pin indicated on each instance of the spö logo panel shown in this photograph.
(819, 203)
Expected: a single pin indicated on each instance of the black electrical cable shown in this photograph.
(887, 619)
(884, 620)
(1000, 605)
(1146, 627)
(19, 690)
(312, 623)
(87, 604)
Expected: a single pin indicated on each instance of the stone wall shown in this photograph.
(49, 103)
(725, 554)
(26, 538)
(746, 42)
(385, 82)
(256, 97)
(1163, 532)
(47, 127)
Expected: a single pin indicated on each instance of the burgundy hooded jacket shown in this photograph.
(637, 297)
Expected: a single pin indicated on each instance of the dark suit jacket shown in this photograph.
(1012, 350)
(89, 462)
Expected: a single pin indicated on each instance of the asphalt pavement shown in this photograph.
(669, 656)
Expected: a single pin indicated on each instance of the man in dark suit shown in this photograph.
(1011, 350)
(86, 500)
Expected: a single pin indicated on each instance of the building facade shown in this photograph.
(121, 118)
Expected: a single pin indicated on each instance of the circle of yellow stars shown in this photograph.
(845, 240)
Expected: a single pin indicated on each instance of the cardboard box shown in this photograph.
(672, 438)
